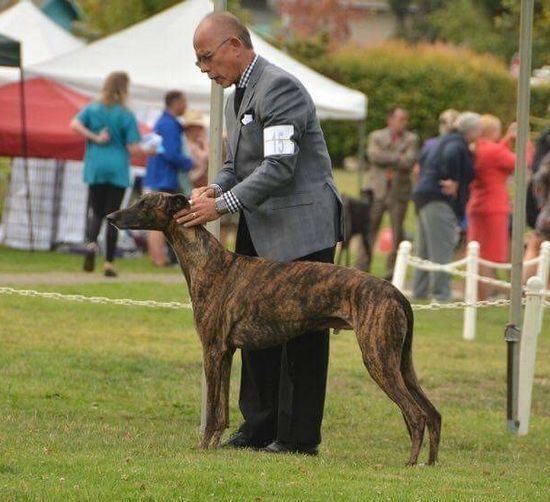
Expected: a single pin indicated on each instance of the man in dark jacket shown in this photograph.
(440, 197)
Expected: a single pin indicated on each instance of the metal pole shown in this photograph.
(512, 331)
(214, 163)
(25, 151)
(361, 154)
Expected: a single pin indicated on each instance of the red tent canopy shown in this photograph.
(50, 108)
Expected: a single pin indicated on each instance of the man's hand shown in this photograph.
(449, 187)
(202, 210)
(206, 191)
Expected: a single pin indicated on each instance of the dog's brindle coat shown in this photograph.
(253, 303)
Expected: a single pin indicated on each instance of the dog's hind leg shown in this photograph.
(433, 417)
(383, 365)
(217, 369)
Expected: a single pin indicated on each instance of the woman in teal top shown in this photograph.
(112, 135)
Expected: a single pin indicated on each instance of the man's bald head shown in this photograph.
(225, 25)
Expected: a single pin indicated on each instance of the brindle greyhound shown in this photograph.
(239, 301)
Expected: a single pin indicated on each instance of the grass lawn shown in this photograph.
(102, 402)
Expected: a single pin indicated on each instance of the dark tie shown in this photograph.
(239, 93)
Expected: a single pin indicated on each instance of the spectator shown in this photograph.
(488, 209)
(111, 133)
(440, 198)
(392, 153)
(197, 146)
(446, 120)
(534, 239)
(163, 168)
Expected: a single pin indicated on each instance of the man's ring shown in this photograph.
(194, 215)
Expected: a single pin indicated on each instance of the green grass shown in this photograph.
(102, 402)
(15, 261)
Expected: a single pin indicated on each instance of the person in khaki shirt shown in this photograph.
(392, 153)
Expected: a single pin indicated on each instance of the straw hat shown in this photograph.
(194, 118)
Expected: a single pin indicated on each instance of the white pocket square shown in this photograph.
(247, 118)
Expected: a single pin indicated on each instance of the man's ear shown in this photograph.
(175, 203)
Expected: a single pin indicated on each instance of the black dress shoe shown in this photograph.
(280, 447)
(240, 439)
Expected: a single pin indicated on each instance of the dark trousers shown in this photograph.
(282, 392)
(103, 198)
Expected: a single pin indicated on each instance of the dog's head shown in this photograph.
(153, 211)
(367, 195)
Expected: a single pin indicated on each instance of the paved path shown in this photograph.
(66, 278)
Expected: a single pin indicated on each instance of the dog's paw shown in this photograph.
(215, 439)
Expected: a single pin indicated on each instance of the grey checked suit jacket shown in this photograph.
(291, 203)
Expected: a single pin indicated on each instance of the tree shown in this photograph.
(109, 16)
(313, 18)
(466, 22)
(483, 25)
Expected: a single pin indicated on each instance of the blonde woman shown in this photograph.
(112, 135)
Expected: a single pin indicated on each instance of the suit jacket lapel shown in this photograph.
(248, 94)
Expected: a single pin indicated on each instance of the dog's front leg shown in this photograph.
(217, 369)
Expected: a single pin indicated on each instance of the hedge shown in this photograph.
(425, 79)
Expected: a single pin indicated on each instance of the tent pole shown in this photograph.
(25, 151)
(214, 162)
(361, 154)
(512, 332)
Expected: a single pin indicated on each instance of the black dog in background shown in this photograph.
(357, 222)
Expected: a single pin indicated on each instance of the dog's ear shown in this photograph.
(175, 203)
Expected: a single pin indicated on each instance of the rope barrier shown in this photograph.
(449, 268)
(94, 299)
(177, 305)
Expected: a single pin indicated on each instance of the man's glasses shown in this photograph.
(206, 58)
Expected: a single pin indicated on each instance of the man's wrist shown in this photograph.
(221, 205)
(217, 189)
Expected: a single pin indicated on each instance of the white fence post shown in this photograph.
(470, 293)
(528, 350)
(401, 262)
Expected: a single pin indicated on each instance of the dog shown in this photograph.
(357, 222)
(254, 303)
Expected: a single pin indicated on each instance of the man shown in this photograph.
(392, 153)
(278, 175)
(163, 169)
(440, 197)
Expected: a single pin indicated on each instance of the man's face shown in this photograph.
(398, 121)
(179, 106)
(217, 55)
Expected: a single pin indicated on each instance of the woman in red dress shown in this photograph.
(488, 209)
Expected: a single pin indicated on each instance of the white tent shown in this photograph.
(41, 39)
(158, 55)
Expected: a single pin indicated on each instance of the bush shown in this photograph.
(425, 79)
